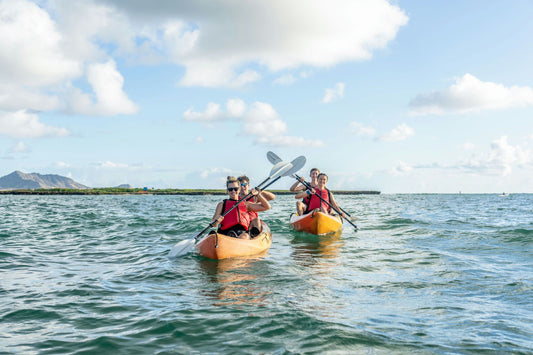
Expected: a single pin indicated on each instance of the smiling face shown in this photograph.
(322, 180)
(233, 190)
(313, 174)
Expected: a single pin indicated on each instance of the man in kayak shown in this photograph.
(255, 221)
(315, 203)
(237, 222)
(302, 205)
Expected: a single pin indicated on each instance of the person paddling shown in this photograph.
(315, 203)
(237, 222)
(302, 205)
(255, 222)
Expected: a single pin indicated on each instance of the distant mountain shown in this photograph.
(20, 180)
(125, 186)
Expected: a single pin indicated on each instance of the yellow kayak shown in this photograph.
(220, 246)
(317, 223)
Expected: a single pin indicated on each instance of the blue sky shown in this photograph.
(404, 96)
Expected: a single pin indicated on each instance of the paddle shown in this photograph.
(275, 159)
(281, 169)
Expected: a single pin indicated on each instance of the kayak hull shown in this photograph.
(317, 223)
(219, 246)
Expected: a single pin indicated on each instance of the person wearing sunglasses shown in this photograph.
(237, 222)
(255, 221)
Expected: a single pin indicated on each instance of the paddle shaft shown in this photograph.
(320, 197)
(212, 224)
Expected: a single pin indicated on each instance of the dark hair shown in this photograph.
(231, 179)
(243, 178)
(322, 174)
(310, 171)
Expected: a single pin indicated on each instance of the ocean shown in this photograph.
(425, 274)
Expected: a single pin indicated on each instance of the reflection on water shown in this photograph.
(313, 250)
(233, 281)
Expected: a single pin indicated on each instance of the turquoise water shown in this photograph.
(426, 274)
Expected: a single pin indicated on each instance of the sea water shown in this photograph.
(432, 273)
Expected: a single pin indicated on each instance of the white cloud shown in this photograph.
(31, 47)
(199, 139)
(260, 121)
(107, 85)
(285, 80)
(211, 113)
(21, 124)
(400, 133)
(289, 141)
(62, 165)
(469, 94)
(337, 92)
(362, 130)
(501, 158)
(20, 147)
(112, 165)
(294, 34)
(401, 169)
(14, 97)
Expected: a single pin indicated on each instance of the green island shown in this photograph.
(140, 191)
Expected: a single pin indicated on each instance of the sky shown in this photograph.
(395, 96)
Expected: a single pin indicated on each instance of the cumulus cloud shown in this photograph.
(294, 34)
(335, 93)
(400, 133)
(469, 94)
(109, 98)
(500, 159)
(31, 47)
(20, 147)
(362, 130)
(260, 120)
(22, 124)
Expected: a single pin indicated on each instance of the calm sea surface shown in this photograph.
(440, 274)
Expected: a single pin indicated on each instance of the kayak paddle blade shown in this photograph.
(273, 158)
(181, 248)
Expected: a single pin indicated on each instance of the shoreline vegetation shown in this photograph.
(138, 191)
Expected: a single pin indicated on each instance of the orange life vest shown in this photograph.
(239, 215)
(316, 202)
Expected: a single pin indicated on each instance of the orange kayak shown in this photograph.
(317, 223)
(220, 246)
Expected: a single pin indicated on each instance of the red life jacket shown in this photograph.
(316, 202)
(239, 215)
(252, 214)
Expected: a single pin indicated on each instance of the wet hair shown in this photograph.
(322, 174)
(244, 178)
(231, 179)
(314, 169)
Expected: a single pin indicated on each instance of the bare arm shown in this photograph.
(335, 204)
(295, 187)
(218, 215)
(263, 204)
(268, 195)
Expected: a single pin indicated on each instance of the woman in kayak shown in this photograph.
(302, 205)
(315, 203)
(237, 222)
(255, 221)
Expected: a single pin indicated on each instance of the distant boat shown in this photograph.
(504, 194)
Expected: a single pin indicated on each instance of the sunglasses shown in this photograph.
(244, 183)
(233, 189)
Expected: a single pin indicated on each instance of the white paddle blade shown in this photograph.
(280, 169)
(181, 248)
(297, 164)
(273, 158)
